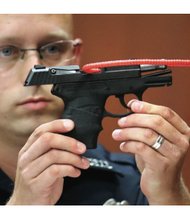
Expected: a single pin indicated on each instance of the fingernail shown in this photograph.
(81, 147)
(137, 106)
(68, 124)
(85, 162)
(130, 102)
(122, 121)
(122, 146)
(116, 133)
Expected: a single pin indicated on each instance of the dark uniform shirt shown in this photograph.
(110, 176)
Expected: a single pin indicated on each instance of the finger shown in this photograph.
(165, 112)
(49, 141)
(145, 135)
(171, 151)
(56, 126)
(151, 158)
(148, 137)
(42, 163)
(49, 176)
(158, 124)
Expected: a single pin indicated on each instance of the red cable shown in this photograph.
(96, 67)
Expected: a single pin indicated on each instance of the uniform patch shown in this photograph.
(104, 164)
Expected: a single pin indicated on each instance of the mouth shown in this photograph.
(35, 103)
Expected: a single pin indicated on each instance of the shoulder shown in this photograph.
(6, 187)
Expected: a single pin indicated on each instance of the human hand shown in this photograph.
(161, 180)
(44, 161)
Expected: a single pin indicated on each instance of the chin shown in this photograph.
(31, 123)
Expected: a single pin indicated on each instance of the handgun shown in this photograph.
(85, 94)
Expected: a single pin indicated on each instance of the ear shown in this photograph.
(77, 51)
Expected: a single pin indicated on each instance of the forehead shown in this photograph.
(31, 25)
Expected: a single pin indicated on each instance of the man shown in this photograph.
(48, 167)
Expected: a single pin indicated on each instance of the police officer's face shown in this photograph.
(24, 108)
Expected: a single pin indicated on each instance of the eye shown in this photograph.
(8, 51)
(52, 49)
(57, 48)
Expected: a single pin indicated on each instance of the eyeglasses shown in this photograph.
(55, 53)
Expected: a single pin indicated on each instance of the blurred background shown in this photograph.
(126, 36)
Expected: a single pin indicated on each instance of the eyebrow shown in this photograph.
(47, 38)
(8, 38)
(19, 43)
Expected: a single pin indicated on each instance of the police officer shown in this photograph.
(41, 165)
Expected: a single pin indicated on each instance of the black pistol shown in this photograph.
(85, 94)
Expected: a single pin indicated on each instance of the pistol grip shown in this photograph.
(87, 114)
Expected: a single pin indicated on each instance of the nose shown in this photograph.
(30, 59)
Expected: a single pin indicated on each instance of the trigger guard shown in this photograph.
(116, 115)
(122, 100)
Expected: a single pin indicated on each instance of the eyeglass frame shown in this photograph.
(75, 43)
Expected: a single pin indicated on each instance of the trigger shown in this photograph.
(122, 101)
